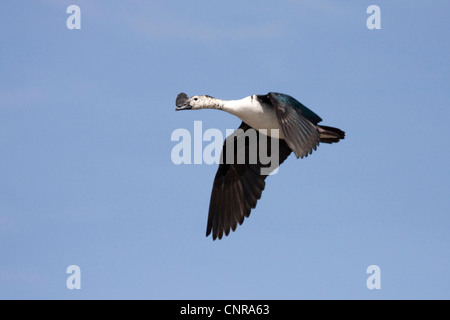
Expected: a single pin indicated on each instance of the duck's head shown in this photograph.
(183, 102)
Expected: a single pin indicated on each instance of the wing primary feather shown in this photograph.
(237, 188)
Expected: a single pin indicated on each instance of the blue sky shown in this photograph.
(86, 176)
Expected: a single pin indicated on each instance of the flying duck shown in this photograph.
(238, 185)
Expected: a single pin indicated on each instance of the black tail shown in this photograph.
(330, 134)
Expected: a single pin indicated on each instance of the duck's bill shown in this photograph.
(184, 107)
(182, 102)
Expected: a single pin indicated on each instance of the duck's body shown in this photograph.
(238, 186)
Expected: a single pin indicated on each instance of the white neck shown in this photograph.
(251, 111)
(237, 107)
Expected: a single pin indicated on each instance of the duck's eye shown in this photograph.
(195, 99)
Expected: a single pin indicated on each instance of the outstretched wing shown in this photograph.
(297, 123)
(238, 185)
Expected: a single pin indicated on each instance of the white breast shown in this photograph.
(257, 115)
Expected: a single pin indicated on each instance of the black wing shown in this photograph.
(300, 133)
(238, 186)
